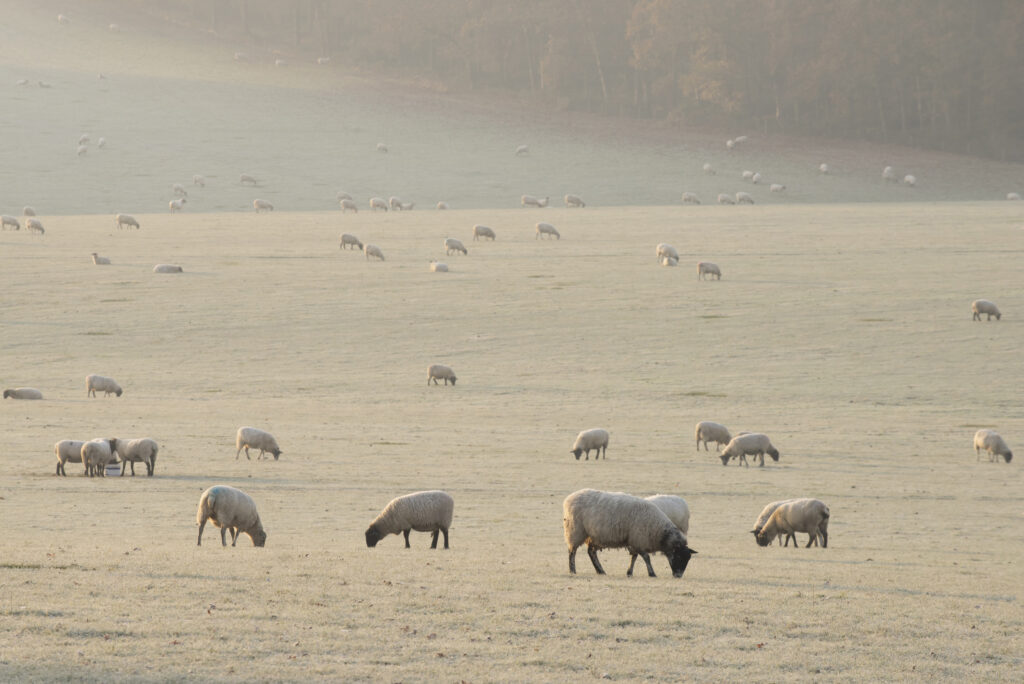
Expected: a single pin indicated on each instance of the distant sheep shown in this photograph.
(531, 201)
(747, 175)
(690, 198)
(438, 267)
(99, 260)
(132, 451)
(983, 306)
(799, 515)
(101, 143)
(247, 179)
(67, 451)
(574, 201)
(279, 62)
(177, 205)
(323, 60)
(706, 269)
(749, 444)
(348, 205)
(1013, 196)
(594, 438)
(84, 139)
(756, 179)
(381, 147)
(776, 187)
(378, 203)
(34, 225)
(548, 230)
(349, 241)
(28, 211)
(708, 169)
(666, 250)
(452, 245)
(724, 198)
(910, 180)
(480, 232)
(10, 221)
(395, 203)
(96, 454)
(990, 441)
(438, 371)
(261, 205)
(168, 268)
(766, 513)
(429, 511)
(230, 509)
(126, 221)
(889, 175)
(441, 206)
(101, 383)
(63, 19)
(373, 251)
(199, 180)
(82, 149)
(179, 190)
(26, 393)
(342, 196)
(250, 437)
(669, 261)
(708, 431)
(522, 150)
(730, 144)
(823, 169)
(744, 198)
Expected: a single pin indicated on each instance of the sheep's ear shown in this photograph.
(693, 551)
(754, 532)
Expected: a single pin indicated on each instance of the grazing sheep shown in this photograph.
(177, 204)
(546, 229)
(666, 250)
(132, 451)
(749, 444)
(429, 511)
(96, 454)
(179, 190)
(373, 251)
(983, 306)
(67, 451)
(257, 439)
(125, 220)
(889, 175)
(798, 515)
(612, 520)
(438, 267)
(441, 206)
(381, 147)
(531, 201)
(100, 261)
(84, 139)
(82, 149)
(690, 198)
(766, 513)
(724, 198)
(437, 372)
(708, 431)
(34, 225)
(744, 198)
(756, 178)
(28, 211)
(910, 180)
(480, 231)
(168, 268)
(323, 60)
(669, 261)
(730, 144)
(280, 62)
(776, 187)
(708, 269)
(199, 180)
(11, 221)
(246, 178)
(1013, 196)
(395, 203)
(823, 169)
(101, 143)
(230, 509)
(351, 240)
(406, 206)
(27, 393)
(378, 203)
(522, 150)
(574, 201)
(101, 383)
(342, 196)
(347, 204)
(62, 19)
(989, 440)
(261, 205)
(451, 246)
(747, 175)
(594, 438)
(708, 169)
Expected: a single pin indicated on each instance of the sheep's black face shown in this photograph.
(1008, 456)
(725, 459)
(762, 540)
(774, 453)
(7, 393)
(372, 536)
(453, 380)
(118, 392)
(577, 453)
(680, 558)
(259, 538)
(277, 455)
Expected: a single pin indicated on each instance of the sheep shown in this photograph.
(378, 203)
(246, 178)
(125, 220)
(669, 261)
(373, 251)
(67, 451)
(594, 438)
(96, 454)
(708, 431)
(438, 267)
(441, 206)
(708, 169)
(451, 246)
(747, 175)
(28, 211)
(84, 139)
(101, 383)
(429, 511)
(437, 371)
(342, 196)
(666, 250)
(481, 231)
(198, 180)
(261, 205)
(675, 508)
(749, 444)
(756, 178)
(730, 144)
(740, 139)
(706, 268)
(230, 509)
(798, 515)
(350, 240)
(766, 513)
(11, 221)
(34, 225)
(100, 261)
(177, 204)
(690, 198)
(744, 198)
(724, 198)
(983, 306)
(574, 201)
(257, 439)
(136, 450)
(280, 62)
(1013, 196)
(82, 149)
(823, 169)
(347, 204)
(381, 147)
(62, 19)
(27, 393)
(546, 229)
(323, 60)
(523, 151)
(531, 201)
(989, 440)
(612, 520)
(397, 204)
(776, 187)
(101, 143)
(168, 268)
(910, 180)
(889, 175)
(179, 190)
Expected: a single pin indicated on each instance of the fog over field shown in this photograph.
(841, 327)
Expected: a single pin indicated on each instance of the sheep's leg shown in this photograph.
(592, 552)
(761, 456)
(650, 568)
(811, 540)
(824, 537)
(235, 533)
(572, 561)
(433, 541)
(632, 560)
(223, 539)
(202, 524)
(406, 533)
(444, 531)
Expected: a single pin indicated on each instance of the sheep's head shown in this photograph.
(725, 458)
(10, 393)
(678, 552)
(1008, 455)
(373, 536)
(761, 539)
(999, 316)
(575, 452)
(277, 453)
(119, 391)
(259, 537)
(452, 379)
(774, 453)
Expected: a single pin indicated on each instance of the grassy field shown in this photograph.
(842, 331)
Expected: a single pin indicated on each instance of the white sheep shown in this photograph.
(709, 431)
(246, 178)
(776, 187)
(708, 169)
(132, 451)
(348, 205)
(724, 198)
(96, 454)
(82, 149)
(798, 515)
(230, 509)
(613, 520)
(766, 513)
(67, 451)
(381, 147)
(441, 206)
(481, 231)
(438, 267)
(198, 180)
(522, 150)
(99, 260)
(1013, 196)
(168, 268)
(690, 198)
(706, 269)
(34, 225)
(11, 221)
(669, 261)
(983, 306)
(594, 438)
(747, 175)
(27, 393)
(63, 19)
(910, 180)
(279, 62)
(323, 60)
(28, 211)
(342, 196)
(250, 437)
(574, 201)
(993, 443)
(261, 205)
(373, 251)
(101, 143)
(179, 190)
(177, 205)
(889, 175)
(437, 371)
(84, 139)
(756, 178)
(126, 221)
(749, 444)
(744, 198)
(666, 250)
(378, 203)
(101, 383)
(547, 229)
(823, 169)
(452, 245)
(740, 139)
(730, 144)
(531, 201)
(675, 508)
(350, 241)
(395, 203)
(429, 511)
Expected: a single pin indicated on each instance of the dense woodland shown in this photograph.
(945, 74)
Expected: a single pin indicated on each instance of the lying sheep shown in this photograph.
(798, 515)
(279, 62)
(531, 201)
(744, 198)
(708, 431)
(766, 513)
(480, 231)
(910, 180)
(246, 178)
(351, 241)
(257, 439)
(776, 187)
(179, 190)
(749, 444)
(823, 169)
(429, 511)
(438, 267)
(26, 393)
(348, 205)
(126, 221)
(381, 147)
(378, 203)
(34, 225)
(261, 205)
(230, 509)
(10, 221)
(669, 261)
(983, 306)
(708, 169)
(594, 438)
(99, 260)
(523, 151)
(613, 520)
(373, 251)
(666, 250)
(990, 441)
(724, 198)
(1013, 196)
(168, 268)
(132, 451)
(67, 451)
(574, 201)
(708, 269)
(96, 454)
(198, 180)
(451, 246)
(100, 383)
(437, 372)
(690, 198)
(177, 205)
(441, 206)
(323, 60)
(547, 229)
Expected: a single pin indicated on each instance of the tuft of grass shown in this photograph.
(713, 316)
(702, 393)
(97, 332)
(876, 320)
